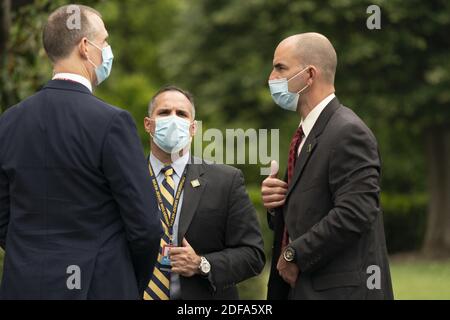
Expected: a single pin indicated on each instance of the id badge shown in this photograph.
(165, 261)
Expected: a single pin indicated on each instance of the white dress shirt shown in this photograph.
(178, 167)
(73, 77)
(310, 120)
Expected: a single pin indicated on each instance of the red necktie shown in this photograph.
(295, 143)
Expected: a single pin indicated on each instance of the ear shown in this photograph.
(149, 125)
(83, 48)
(193, 128)
(312, 72)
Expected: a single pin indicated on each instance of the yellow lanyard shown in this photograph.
(169, 220)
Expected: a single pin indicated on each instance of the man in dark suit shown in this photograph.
(329, 235)
(212, 235)
(78, 215)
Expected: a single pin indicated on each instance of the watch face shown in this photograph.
(289, 254)
(206, 268)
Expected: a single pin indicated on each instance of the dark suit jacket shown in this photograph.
(333, 215)
(219, 221)
(74, 190)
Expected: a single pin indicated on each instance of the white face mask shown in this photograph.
(104, 70)
(279, 89)
(172, 133)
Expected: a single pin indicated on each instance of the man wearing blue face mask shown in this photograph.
(329, 238)
(78, 215)
(212, 238)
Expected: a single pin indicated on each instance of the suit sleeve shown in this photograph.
(275, 212)
(354, 172)
(4, 207)
(244, 254)
(125, 168)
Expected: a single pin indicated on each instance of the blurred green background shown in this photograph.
(396, 78)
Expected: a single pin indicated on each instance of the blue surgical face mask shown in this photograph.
(104, 70)
(279, 89)
(172, 133)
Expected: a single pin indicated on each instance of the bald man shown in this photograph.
(329, 238)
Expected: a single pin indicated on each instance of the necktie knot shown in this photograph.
(167, 171)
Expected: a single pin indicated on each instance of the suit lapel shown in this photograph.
(308, 148)
(191, 196)
(312, 141)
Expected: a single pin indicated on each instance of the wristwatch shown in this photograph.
(204, 266)
(289, 254)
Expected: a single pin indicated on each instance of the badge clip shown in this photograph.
(195, 183)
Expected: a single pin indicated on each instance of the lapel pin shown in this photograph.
(195, 183)
(309, 148)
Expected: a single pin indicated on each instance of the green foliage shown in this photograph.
(25, 66)
(136, 32)
(404, 220)
(22, 70)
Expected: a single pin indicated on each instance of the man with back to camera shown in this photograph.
(78, 215)
(329, 234)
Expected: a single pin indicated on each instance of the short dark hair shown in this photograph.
(187, 94)
(59, 40)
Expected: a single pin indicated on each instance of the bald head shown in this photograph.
(313, 49)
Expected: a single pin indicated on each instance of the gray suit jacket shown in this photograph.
(333, 214)
(219, 221)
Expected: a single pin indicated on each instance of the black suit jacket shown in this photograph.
(74, 190)
(333, 215)
(219, 221)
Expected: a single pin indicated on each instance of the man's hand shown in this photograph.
(273, 190)
(288, 271)
(184, 260)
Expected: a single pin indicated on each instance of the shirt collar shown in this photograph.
(73, 77)
(310, 120)
(178, 165)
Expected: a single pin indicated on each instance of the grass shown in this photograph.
(412, 279)
(421, 279)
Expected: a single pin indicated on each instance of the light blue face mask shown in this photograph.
(104, 70)
(172, 133)
(279, 89)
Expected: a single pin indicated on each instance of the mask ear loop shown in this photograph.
(299, 73)
(306, 87)
(149, 132)
(89, 59)
(94, 44)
